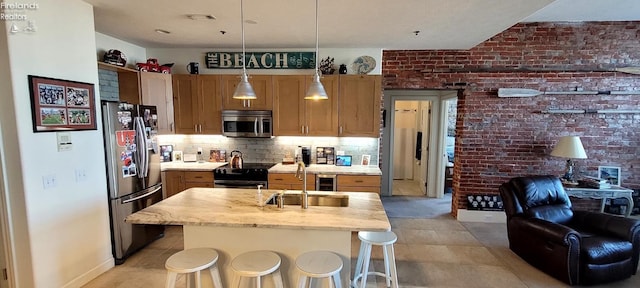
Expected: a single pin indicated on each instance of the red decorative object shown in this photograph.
(153, 66)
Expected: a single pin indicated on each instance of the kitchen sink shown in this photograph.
(314, 200)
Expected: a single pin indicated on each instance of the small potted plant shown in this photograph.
(326, 66)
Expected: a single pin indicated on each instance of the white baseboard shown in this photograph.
(91, 274)
(465, 215)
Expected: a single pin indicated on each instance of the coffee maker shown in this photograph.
(306, 156)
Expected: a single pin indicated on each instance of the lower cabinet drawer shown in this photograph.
(199, 176)
(375, 189)
(358, 180)
(358, 183)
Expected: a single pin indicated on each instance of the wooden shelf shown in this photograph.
(115, 68)
(589, 111)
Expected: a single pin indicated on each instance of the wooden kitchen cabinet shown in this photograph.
(175, 182)
(262, 85)
(358, 183)
(128, 82)
(281, 181)
(156, 90)
(197, 104)
(172, 183)
(294, 116)
(359, 106)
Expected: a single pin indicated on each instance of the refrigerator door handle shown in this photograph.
(141, 148)
(142, 196)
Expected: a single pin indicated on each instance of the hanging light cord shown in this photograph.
(244, 65)
(316, 37)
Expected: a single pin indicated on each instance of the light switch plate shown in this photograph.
(64, 141)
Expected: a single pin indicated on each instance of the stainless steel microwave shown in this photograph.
(251, 124)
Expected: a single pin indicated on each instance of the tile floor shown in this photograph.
(429, 253)
(436, 252)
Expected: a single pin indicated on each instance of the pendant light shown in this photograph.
(244, 91)
(316, 90)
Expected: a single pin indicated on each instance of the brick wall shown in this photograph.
(499, 138)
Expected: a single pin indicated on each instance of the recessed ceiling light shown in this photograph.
(251, 21)
(201, 17)
(162, 31)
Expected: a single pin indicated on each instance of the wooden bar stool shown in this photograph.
(319, 264)
(384, 239)
(256, 264)
(193, 261)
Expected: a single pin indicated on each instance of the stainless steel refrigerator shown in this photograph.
(133, 173)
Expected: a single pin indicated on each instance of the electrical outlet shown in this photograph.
(49, 181)
(81, 175)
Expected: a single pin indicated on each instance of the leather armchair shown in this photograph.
(577, 247)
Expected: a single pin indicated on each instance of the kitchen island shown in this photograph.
(230, 221)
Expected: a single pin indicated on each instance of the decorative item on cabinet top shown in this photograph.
(261, 60)
(364, 64)
(152, 66)
(326, 66)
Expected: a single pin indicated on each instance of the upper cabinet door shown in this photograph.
(322, 115)
(288, 109)
(185, 103)
(210, 104)
(156, 90)
(262, 85)
(359, 108)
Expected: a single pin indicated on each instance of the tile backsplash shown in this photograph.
(272, 150)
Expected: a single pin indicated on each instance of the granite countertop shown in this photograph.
(190, 166)
(330, 169)
(237, 208)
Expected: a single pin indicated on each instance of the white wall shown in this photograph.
(14, 219)
(68, 228)
(182, 56)
(134, 53)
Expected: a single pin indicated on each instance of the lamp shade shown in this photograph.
(244, 91)
(569, 147)
(316, 90)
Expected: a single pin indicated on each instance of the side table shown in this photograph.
(603, 194)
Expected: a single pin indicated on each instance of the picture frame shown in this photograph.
(165, 153)
(611, 174)
(61, 105)
(177, 156)
(366, 159)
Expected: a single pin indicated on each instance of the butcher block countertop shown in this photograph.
(328, 169)
(238, 208)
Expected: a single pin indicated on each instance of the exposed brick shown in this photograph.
(500, 138)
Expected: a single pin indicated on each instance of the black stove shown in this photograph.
(250, 175)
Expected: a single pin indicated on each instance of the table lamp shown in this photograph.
(569, 147)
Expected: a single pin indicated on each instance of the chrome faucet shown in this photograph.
(304, 199)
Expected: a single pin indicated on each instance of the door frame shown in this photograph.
(436, 138)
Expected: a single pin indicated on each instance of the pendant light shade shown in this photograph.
(244, 91)
(316, 90)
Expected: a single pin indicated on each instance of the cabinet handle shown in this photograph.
(171, 127)
(340, 130)
(198, 177)
(195, 128)
(302, 129)
(200, 127)
(307, 129)
(279, 179)
(358, 181)
(249, 103)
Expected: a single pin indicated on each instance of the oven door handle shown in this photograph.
(142, 196)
